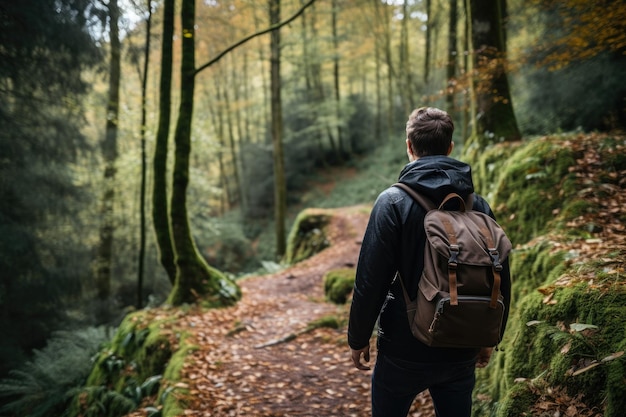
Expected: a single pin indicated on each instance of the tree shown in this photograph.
(109, 153)
(452, 58)
(160, 211)
(280, 186)
(495, 120)
(45, 51)
(142, 191)
(194, 277)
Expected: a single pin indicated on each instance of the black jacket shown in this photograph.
(394, 241)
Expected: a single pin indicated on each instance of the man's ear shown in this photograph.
(450, 148)
(409, 151)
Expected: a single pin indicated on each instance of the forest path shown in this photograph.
(256, 359)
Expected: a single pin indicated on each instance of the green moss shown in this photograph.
(488, 165)
(307, 236)
(525, 195)
(338, 284)
(518, 403)
(171, 396)
(205, 285)
(534, 265)
(331, 322)
(543, 345)
(129, 368)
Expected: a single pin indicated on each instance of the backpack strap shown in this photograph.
(452, 262)
(421, 200)
(497, 266)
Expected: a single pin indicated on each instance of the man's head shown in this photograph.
(429, 132)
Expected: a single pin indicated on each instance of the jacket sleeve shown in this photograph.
(375, 269)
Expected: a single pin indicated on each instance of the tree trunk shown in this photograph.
(344, 149)
(428, 42)
(495, 120)
(160, 212)
(104, 258)
(142, 191)
(469, 114)
(390, 73)
(195, 279)
(280, 187)
(377, 51)
(452, 59)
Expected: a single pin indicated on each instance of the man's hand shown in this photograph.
(356, 358)
(483, 357)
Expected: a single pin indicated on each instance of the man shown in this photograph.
(394, 242)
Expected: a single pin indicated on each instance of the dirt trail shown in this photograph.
(249, 361)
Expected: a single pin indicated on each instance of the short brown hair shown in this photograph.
(430, 131)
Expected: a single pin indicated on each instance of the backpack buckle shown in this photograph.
(454, 254)
(495, 259)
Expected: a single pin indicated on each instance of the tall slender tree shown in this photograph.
(142, 133)
(104, 256)
(429, 31)
(344, 148)
(280, 184)
(160, 211)
(452, 58)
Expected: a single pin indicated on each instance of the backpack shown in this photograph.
(459, 303)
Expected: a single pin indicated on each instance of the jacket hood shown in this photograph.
(436, 176)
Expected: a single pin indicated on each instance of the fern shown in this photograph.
(42, 386)
(105, 402)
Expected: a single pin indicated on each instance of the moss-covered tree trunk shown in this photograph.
(160, 212)
(195, 279)
(142, 134)
(495, 119)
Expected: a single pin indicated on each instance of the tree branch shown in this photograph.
(254, 35)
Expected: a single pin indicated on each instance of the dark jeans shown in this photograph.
(396, 382)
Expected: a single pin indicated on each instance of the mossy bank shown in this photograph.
(140, 366)
(561, 200)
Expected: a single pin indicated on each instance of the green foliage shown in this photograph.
(44, 385)
(585, 95)
(129, 369)
(45, 48)
(227, 248)
(338, 284)
(377, 171)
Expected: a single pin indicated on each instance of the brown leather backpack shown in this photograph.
(458, 302)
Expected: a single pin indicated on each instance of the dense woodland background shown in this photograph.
(89, 150)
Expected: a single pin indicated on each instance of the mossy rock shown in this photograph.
(338, 284)
(544, 344)
(133, 366)
(308, 235)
